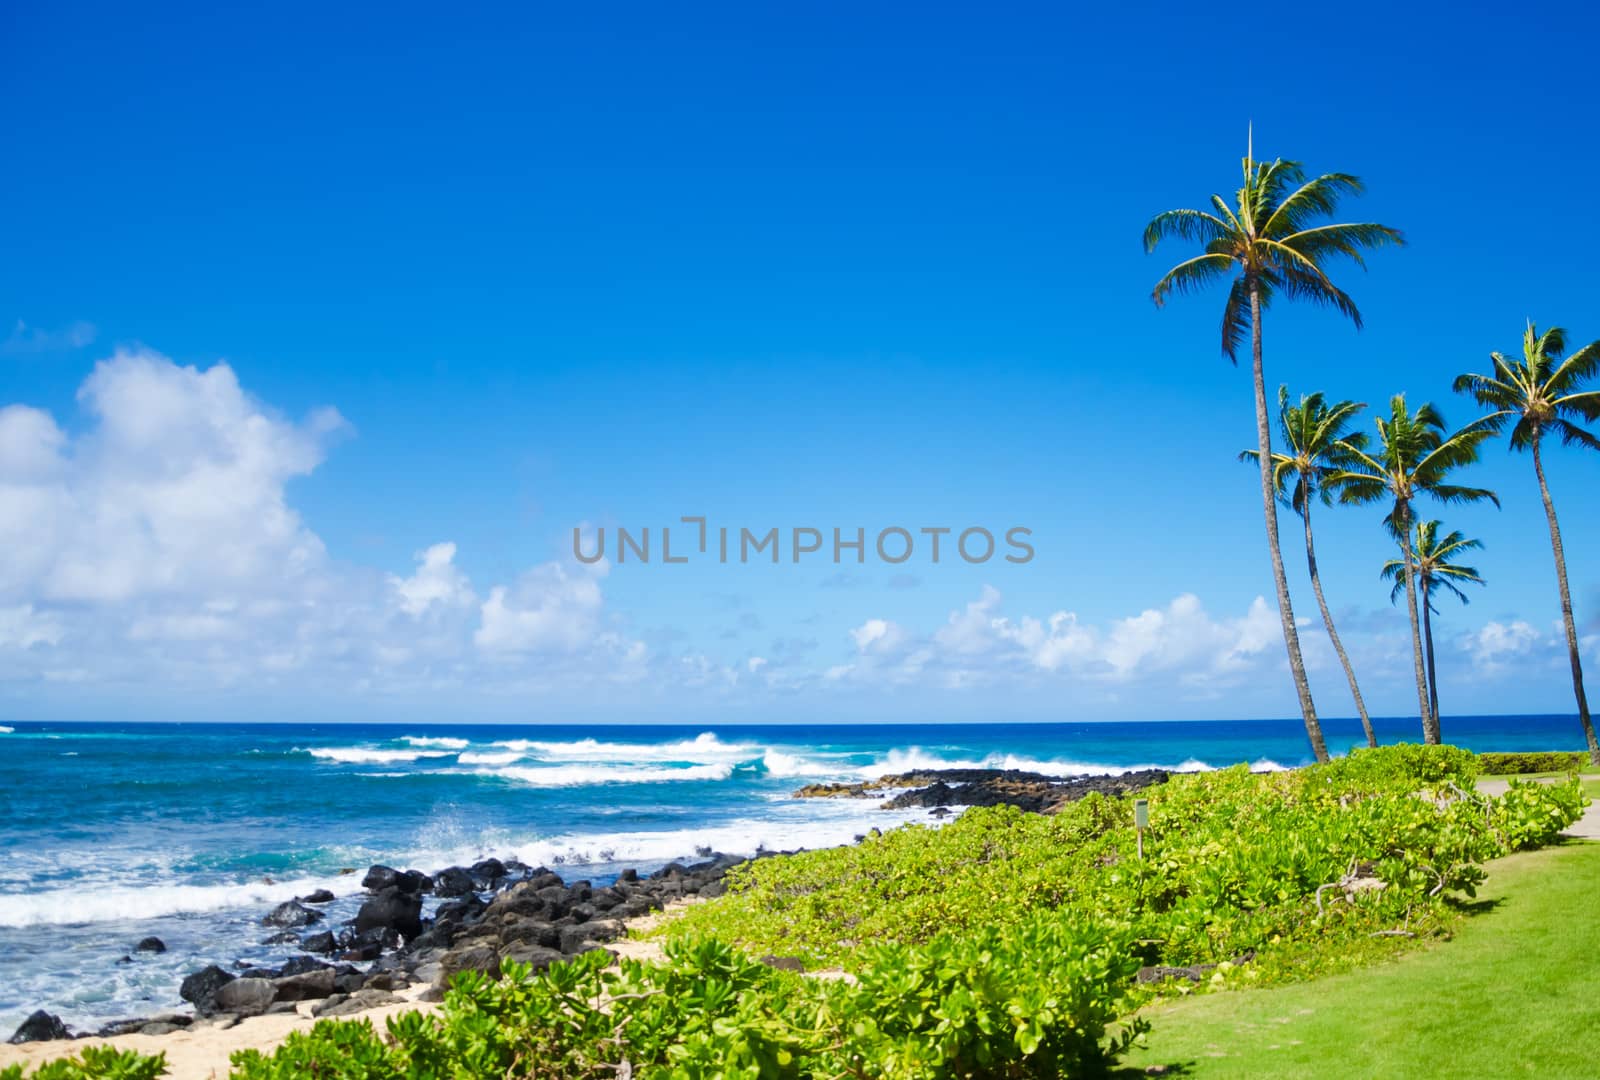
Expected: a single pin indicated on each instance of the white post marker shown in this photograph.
(1141, 820)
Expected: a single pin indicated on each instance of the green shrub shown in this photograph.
(1540, 762)
(1402, 764)
(1532, 815)
(1233, 862)
(95, 1063)
(1034, 1001)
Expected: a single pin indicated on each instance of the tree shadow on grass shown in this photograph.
(1174, 1068)
(1483, 905)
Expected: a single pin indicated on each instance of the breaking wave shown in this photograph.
(366, 755)
(119, 903)
(704, 748)
(558, 776)
(436, 741)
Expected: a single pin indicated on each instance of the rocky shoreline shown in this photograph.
(491, 911)
(494, 911)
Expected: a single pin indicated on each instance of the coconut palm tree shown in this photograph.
(1268, 244)
(1416, 458)
(1537, 394)
(1431, 555)
(1313, 432)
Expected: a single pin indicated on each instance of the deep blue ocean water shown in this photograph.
(191, 832)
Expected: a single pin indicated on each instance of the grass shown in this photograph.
(1516, 993)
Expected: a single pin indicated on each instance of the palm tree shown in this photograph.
(1543, 392)
(1431, 556)
(1269, 244)
(1313, 432)
(1416, 459)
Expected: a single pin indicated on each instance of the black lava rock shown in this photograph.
(200, 989)
(41, 1027)
(486, 874)
(151, 944)
(453, 881)
(392, 909)
(324, 942)
(290, 913)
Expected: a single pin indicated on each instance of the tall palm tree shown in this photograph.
(1542, 392)
(1313, 434)
(1431, 556)
(1268, 243)
(1416, 459)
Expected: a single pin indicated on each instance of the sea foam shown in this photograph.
(704, 748)
(559, 776)
(480, 757)
(436, 741)
(366, 755)
(788, 825)
(86, 903)
(915, 759)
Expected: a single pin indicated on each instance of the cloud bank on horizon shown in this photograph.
(154, 549)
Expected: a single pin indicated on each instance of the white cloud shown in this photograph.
(30, 445)
(178, 489)
(978, 645)
(22, 627)
(1497, 644)
(159, 545)
(437, 583)
(877, 635)
(1058, 642)
(549, 609)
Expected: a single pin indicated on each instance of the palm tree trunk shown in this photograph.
(1566, 607)
(1430, 726)
(1269, 504)
(1327, 620)
(1433, 668)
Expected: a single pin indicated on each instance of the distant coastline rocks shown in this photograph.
(1030, 791)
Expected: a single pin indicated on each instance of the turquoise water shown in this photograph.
(190, 832)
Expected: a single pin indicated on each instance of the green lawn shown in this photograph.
(1515, 993)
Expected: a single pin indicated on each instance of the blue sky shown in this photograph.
(844, 265)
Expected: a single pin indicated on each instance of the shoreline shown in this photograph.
(203, 1050)
(485, 914)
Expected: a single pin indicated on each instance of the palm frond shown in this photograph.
(1303, 279)
(1184, 225)
(1344, 239)
(1575, 370)
(1547, 346)
(1586, 404)
(1573, 435)
(1313, 199)
(1492, 392)
(1455, 493)
(1190, 275)
(1235, 319)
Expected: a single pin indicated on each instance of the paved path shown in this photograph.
(1585, 828)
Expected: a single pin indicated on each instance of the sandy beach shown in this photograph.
(203, 1050)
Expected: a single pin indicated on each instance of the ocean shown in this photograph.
(191, 832)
